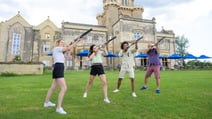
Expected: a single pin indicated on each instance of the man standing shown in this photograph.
(153, 66)
(127, 65)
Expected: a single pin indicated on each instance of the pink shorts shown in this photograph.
(155, 69)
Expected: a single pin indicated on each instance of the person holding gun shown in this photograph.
(127, 65)
(58, 75)
(96, 56)
(153, 66)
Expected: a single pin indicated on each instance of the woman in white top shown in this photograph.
(96, 55)
(58, 75)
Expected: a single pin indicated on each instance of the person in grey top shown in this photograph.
(58, 75)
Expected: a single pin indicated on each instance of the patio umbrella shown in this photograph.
(161, 57)
(111, 55)
(50, 54)
(141, 55)
(174, 56)
(84, 53)
(190, 56)
(203, 57)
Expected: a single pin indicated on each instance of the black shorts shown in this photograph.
(58, 71)
(97, 69)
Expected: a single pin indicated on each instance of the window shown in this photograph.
(137, 35)
(47, 36)
(89, 40)
(16, 41)
(101, 41)
(46, 48)
(113, 0)
(124, 2)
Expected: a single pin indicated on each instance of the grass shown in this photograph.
(184, 95)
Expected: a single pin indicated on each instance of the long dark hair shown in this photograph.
(91, 50)
(122, 44)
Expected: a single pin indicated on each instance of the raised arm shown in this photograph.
(70, 46)
(105, 51)
(157, 48)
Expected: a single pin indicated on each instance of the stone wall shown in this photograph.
(21, 68)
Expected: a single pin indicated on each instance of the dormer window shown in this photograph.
(47, 36)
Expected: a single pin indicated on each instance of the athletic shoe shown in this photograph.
(134, 95)
(106, 100)
(157, 91)
(61, 111)
(143, 88)
(116, 90)
(85, 95)
(49, 104)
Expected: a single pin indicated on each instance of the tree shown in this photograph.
(182, 43)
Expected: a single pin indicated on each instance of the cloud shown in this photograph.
(159, 3)
(36, 11)
(191, 18)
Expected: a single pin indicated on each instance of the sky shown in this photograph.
(191, 18)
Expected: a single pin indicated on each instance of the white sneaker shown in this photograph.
(85, 95)
(106, 100)
(61, 111)
(49, 104)
(116, 90)
(134, 95)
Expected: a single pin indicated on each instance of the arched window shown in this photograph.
(16, 41)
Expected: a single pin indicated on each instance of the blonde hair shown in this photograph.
(58, 41)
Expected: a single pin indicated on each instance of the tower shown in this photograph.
(113, 9)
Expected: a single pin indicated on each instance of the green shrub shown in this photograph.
(8, 74)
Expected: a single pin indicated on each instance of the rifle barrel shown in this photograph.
(82, 35)
(114, 37)
(85, 33)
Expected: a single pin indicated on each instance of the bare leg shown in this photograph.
(158, 83)
(119, 83)
(146, 81)
(51, 90)
(104, 85)
(88, 86)
(63, 88)
(132, 84)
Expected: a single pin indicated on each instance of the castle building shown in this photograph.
(31, 43)
(120, 18)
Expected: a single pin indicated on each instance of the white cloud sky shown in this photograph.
(192, 18)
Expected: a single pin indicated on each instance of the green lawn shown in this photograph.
(184, 95)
